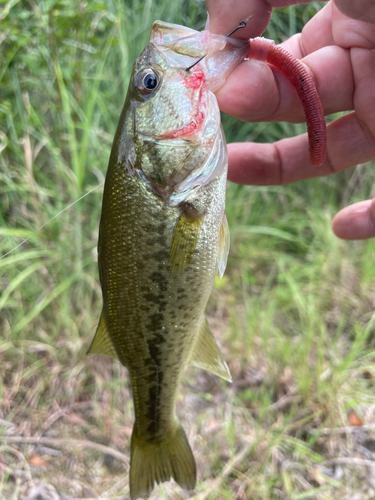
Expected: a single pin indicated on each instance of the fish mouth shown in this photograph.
(202, 62)
(194, 82)
(194, 126)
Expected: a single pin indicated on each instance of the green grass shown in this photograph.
(294, 312)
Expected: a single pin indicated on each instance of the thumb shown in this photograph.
(355, 222)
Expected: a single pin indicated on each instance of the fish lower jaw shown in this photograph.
(190, 129)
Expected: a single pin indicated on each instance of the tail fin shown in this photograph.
(158, 461)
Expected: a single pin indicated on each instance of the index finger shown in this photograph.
(225, 15)
(287, 160)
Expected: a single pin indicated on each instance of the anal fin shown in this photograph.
(102, 344)
(207, 355)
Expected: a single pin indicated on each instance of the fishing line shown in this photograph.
(54, 217)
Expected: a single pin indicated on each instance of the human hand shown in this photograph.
(339, 53)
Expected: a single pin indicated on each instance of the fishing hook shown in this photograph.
(196, 62)
(241, 25)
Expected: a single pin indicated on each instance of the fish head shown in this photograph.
(172, 112)
(171, 87)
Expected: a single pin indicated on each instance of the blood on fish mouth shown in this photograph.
(194, 126)
(195, 79)
(192, 81)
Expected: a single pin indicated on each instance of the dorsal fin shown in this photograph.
(207, 355)
(102, 344)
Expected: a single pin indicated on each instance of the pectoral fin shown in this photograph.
(102, 344)
(185, 240)
(224, 242)
(207, 355)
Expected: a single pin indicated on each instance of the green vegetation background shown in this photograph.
(294, 312)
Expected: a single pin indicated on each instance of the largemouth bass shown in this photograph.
(164, 236)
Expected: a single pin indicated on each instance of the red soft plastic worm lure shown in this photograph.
(265, 50)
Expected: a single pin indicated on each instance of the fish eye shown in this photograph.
(146, 81)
